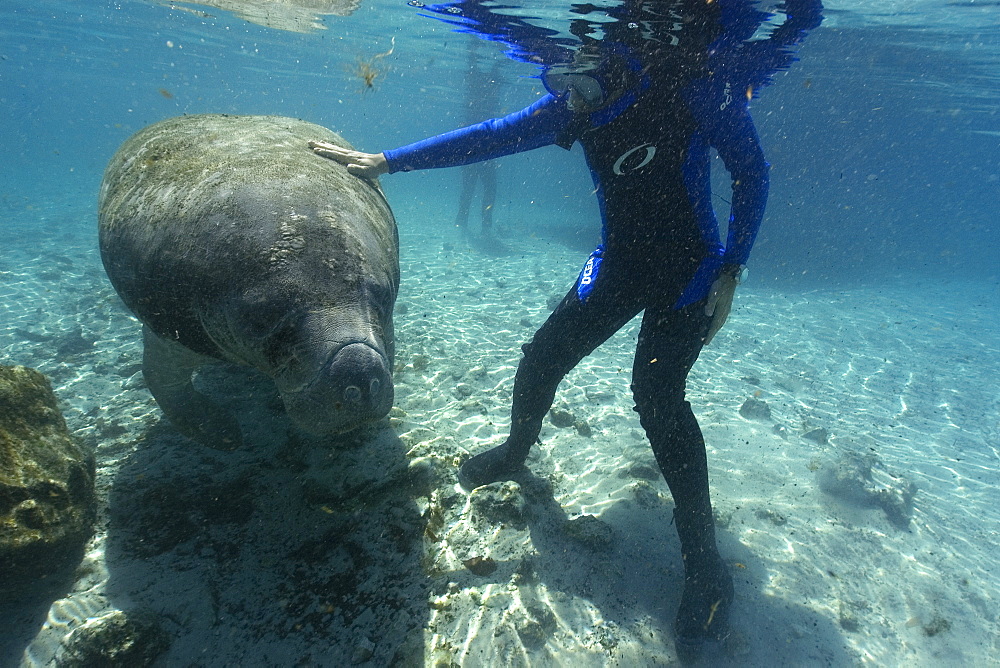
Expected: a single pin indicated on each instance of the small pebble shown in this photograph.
(820, 435)
(561, 418)
(755, 409)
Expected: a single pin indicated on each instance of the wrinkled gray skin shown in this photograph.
(229, 239)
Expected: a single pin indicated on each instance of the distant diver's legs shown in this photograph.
(669, 343)
(571, 333)
(489, 179)
(469, 177)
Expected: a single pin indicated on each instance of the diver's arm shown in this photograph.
(751, 181)
(723, 116)
(801, 16)
(720, 103)
(777, 52)
(530, 128)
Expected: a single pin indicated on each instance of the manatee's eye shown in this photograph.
(380, 295)
(279, 351)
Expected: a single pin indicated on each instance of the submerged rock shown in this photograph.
(115, 639)
(536, 625)
(755, 409)
(897, 502)
(481, 566)
(818, 435)
(774, 517)
(849, 479)
(590, 531)
(47, 505)
(500, 503)
(561, 418)
(74, 343)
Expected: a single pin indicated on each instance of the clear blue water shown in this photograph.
(884, 141)
(882, 138)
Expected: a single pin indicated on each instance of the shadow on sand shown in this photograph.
(292, 550)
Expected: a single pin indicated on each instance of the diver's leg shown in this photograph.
(489, 196)
(669, 343)
(469, 178)
(573, 330)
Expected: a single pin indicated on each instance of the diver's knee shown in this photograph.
(658, 395)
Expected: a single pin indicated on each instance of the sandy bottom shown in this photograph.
(299, 551)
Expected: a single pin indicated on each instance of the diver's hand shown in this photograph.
(365, 165)
(720, 303)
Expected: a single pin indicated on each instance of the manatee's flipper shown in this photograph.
(167, 367)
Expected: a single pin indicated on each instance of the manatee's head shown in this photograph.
(315, 293)
(334, 372)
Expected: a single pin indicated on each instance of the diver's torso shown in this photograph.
(638, 163)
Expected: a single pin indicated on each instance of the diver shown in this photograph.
(482, 100)
(669, 80)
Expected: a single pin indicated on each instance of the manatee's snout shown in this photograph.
(361, 383)
(355, 396)
(355, 387)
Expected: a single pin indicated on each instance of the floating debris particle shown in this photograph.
(366, 70)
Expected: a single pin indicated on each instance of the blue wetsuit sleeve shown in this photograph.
(758, 61)
(730, 128)
(801, 16)
(724, 120)
(532, 127)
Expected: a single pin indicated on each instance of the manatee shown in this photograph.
(230, 240)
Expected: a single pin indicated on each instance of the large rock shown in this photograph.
(46, 483)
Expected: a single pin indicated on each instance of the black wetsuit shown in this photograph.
(647, 146)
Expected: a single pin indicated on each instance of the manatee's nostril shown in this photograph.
(352, 394)
(375, 388)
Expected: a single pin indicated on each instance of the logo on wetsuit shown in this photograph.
(588, 276)
(621, 168)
